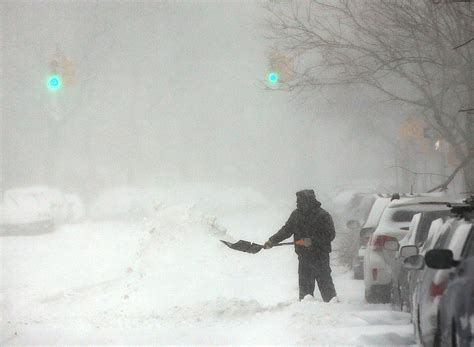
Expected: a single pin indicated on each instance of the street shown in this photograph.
(168, 280)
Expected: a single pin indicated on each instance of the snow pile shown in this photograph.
(179, 254)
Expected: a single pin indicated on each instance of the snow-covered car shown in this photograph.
(454, 236)
(24, 213)
(437, 228)
(35, 206)
(351, 210)
(417, 235)
(456, 307)
(393, 226)
(457, 304)
(366, 232)
(353, 205)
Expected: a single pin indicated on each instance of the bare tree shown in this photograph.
(402, 49)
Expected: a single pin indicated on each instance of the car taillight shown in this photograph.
(375, 273)
(438, 289)
(376, 241)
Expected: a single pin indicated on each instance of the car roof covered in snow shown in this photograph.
(416, 202)
(397, 217)
(376, 212)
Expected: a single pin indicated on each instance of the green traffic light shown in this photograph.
(273, 77)
(54, 82)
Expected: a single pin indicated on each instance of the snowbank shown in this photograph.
(167, 279)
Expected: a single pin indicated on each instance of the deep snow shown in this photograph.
(166, 279)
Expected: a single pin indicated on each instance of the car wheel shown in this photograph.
(379, 294)
(370, 296)
(385, 293)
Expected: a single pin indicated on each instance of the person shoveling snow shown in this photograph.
(313, 230)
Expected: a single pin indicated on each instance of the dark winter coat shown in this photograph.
(309, 220)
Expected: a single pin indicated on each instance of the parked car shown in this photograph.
(436, 229)
(417, 235)
(431, 283)
(350, 208)
(38, 208)
(456, 307)
(353, 205)
(365, 233)
(24, 213)
(379, 257)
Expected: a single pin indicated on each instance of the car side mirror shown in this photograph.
(391, 245)
(440, 259)
(408, 251)
(353, 224)
(414, 262)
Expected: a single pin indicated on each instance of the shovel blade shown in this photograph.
(244, 246)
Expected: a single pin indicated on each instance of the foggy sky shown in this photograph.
(169, 92)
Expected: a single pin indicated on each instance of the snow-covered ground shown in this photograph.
(166, 279)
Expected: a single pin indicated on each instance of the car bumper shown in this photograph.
(377, 271)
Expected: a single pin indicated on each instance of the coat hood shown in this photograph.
(306, 199)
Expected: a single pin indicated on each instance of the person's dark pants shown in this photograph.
(315, 267)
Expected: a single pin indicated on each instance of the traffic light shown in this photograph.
(273, 77)
(54, 82)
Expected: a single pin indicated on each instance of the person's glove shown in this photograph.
(306, 242)
(268, 245)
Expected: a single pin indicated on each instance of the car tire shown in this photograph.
(379, 294)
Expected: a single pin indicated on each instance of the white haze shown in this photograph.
(170, 92)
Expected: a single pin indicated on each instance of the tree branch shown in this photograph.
(443, 186)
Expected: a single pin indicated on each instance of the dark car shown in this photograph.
(431, 283)
(456, 307)
(417, 235)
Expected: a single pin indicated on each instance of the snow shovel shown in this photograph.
(250, 247)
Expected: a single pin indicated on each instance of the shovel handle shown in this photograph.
(284, 244)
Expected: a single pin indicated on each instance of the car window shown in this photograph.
(355, 201)
(436, 229)
(403, 215)
(469, 247)
(413, 227)
(444, 239)
(425, 224)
